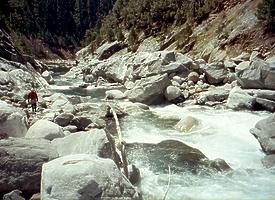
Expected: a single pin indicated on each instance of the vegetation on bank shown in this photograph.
(266, 12)
(67, 24)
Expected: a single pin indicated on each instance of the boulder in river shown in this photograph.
(265, 134)
(92, 178)
(179, 156)
(239, 99)
(149, 90)
(187, 123)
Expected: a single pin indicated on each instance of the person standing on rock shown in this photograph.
(32, 99)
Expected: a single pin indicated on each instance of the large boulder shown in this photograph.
(21, 163)
(108, 49)
(265, 134)
(91, 142)
(269, 161)
(45, 129)
(92, 178)
(114, 94)
(179, 156)
(149, 90)
(239, 99)
(215, 72)
(13, 121)
(259, 75)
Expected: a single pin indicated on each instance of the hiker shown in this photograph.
(33, 98)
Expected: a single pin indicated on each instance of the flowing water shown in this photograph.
(221, 134)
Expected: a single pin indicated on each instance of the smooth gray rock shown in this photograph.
(81, 122)
(173, 93)
(13, 121)
(90, 142)
(242, 66)
(260, 75)
(215, 73)
(265, 134)
(45, 129)
(92, 178)
(239, 99)
(149, 90)
(265, 94)
(21, 162)
(214, 94)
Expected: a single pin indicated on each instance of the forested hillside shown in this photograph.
(57, 23)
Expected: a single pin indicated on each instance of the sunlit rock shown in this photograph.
(149, 90)
(13, 121)
(239, 99)
(45, 129)
(92, 178)
(90, 142)
(187, 124)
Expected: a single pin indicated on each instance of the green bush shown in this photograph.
(266, 12)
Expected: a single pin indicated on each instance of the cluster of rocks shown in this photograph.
(243, 82)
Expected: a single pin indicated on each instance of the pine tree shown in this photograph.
(133, 37)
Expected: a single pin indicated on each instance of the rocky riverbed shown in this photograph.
(67, 141)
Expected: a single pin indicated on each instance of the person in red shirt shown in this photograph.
(33, 98)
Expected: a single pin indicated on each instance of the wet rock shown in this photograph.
(149, 90)
(90, 142)
(239, 99)
(45, 129)
(63, 119)
(264, 133)
(114, 94)
(265, 104)
(179, 156)
(93, 178)
(187, 123)
(48, 77)
(220, 165)
(21, 162)
(13, 195)
(134, 174)
(13, 121)
(269, 161)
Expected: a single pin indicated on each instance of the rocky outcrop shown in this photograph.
(13, 121)
(108, 49)
(45, 129)
(21, 163)
(149, 90)
(185, 158)
(93, 178)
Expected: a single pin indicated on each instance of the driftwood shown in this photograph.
(120, 162)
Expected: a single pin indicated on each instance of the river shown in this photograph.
(221, 133)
